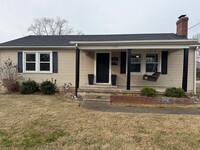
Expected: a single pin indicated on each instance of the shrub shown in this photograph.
(15, 86)
(29, 87)
(174, 92)
(9, 76)
(148, 91)
(47, 87)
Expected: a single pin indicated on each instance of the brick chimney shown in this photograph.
(182, 26)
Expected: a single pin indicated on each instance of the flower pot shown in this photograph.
(113, 79)
(91, 79)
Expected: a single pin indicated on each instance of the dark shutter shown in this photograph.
(20, 62)
(123, 63)
(164, 64)
(55, 62)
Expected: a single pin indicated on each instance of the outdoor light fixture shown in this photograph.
(137, 56)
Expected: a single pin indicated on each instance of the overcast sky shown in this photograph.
(99, 16)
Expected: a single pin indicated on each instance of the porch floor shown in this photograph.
(116, 89)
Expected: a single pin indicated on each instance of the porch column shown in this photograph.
(185, 69)
(128, 84)
(77, 70)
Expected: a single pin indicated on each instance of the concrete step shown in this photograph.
(97, 100)
(107, 91)
(97, 97)
(99, 86)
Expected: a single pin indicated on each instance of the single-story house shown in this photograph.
(71, 58)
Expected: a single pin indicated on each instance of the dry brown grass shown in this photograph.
(54, 122)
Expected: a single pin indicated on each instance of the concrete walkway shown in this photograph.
(106, 107)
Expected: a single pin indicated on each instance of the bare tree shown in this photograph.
(51, 26)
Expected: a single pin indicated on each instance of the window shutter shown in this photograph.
(55, 62)
(164, 63)
(123, 63)
(20, 62)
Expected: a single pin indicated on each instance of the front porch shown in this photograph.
(116, 89)
(129, 65)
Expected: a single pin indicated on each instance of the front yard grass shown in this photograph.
(54, 122)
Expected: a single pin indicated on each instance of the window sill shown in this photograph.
(30, 72)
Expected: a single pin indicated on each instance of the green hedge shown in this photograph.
(174, 92)
(29, 87)
(148, 91)
(47, 87)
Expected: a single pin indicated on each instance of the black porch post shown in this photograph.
(128, 84)
(77, 69)
(185, 69)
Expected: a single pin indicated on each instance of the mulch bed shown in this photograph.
(150, 100)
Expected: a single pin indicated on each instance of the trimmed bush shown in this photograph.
(174, 92)
(47, 87)
(29, 87)
(148, 91)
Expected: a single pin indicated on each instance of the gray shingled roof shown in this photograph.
(63, 40)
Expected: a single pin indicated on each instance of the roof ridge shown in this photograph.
(118, 34)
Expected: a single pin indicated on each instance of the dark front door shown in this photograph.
(102, 68)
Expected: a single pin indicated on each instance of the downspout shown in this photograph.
(77, 70)
(195, 69)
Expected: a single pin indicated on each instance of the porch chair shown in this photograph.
(154, 77)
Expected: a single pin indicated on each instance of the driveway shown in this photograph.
(106, 107)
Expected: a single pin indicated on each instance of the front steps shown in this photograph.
(96, 97)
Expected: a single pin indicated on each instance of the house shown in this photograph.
(71, 58)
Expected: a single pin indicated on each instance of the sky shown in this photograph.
(99, 16)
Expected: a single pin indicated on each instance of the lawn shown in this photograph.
(55, 122)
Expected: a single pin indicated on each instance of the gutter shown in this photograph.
(37, 47)
(132, 41)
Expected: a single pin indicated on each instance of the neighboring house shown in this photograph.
(70, 58)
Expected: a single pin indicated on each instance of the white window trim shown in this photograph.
(37, 60)
(143, 62)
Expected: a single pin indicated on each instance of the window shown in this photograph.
(136, 63)
(44, 61)
(38, 62)
(151, 62)
(30, 62)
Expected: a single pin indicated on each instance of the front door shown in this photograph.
(102, 67)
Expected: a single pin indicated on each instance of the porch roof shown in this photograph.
(136, 44)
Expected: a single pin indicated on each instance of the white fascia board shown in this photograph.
(37, 47)
(133, 42)
(133, 47)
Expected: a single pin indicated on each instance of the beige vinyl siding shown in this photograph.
(86, 66)
(66, 67)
